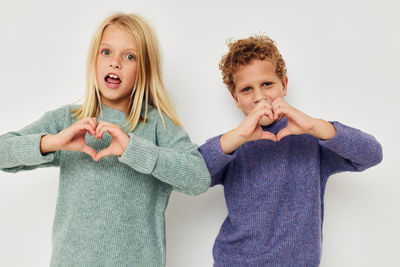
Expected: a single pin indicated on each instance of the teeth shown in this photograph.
(113, 76)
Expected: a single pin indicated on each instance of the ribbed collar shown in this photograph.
(112, 115)
(117, 116)
(276, 126)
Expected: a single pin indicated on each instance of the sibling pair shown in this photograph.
(110, 210)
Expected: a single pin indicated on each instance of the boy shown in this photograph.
(274, 188)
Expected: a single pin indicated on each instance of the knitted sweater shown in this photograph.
(111, 212)
(274, 193)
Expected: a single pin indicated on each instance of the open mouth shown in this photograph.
(112, 79)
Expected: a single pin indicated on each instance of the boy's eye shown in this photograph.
(267, 84)
(105, 52)
(130, 57)
(246, 89)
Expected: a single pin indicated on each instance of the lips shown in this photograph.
(112, 80)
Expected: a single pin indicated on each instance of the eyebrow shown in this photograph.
(109, 45)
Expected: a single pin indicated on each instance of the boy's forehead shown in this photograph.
(253, 69)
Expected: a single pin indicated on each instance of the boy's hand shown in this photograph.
(249, 129)
(300, 123)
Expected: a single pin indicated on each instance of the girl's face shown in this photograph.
(116, 67)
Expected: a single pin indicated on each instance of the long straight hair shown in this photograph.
(148, 87)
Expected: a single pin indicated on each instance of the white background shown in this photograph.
(343, 64)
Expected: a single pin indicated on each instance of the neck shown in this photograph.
(118, 105)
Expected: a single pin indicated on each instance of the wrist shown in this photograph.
(47, 144)
(125, 143)
(231, 141)
(323, 129)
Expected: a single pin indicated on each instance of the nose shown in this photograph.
(258, 95)
(115, 63)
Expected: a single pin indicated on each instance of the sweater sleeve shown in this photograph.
(349, 150)
(217, 161)
(20, 150)
(174, 159)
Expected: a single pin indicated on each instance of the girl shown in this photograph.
(112, 197)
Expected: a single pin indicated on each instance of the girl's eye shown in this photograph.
(267, 84)
(105, 52)
(130, 57)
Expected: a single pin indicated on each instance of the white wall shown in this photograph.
(343, 64)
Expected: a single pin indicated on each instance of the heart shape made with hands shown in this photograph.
(265, 121)
(297, 122)
(119, 140)
(73, 138)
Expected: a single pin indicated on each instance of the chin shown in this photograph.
(265, 121)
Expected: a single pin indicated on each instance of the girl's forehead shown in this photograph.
(116, 34)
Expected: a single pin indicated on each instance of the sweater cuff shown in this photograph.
(215, 158)
(141, 154)
(27, 150)
(345, 139)
(338, 139)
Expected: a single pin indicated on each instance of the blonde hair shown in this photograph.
(241, 52)
(148, 84)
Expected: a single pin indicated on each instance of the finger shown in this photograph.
(260, 105)
(269, 136)
(261, 113)
(103, 129)
(277, 113)
(97, 130)
(283, 133)
(90, 151)
(280, 103)
(83, 127)
(257, 107)
(103, 153)
(283, 111)
(92, 121)
(278, 100)
(269, 113)
(100, 127)
(88, 121)
(106, 123)
(86, 126)
(275, 107)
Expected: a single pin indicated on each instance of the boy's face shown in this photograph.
(255, 82)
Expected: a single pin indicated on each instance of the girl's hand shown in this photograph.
(300, 123)
(249, 129)
(119, 143)
(71, 138)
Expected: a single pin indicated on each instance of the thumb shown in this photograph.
(283, 133)
(269, 136)
(103, 153)
(90, 151)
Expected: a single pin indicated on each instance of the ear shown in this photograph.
(235, 98)
(285, 83)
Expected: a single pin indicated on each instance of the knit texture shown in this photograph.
(111, 212)
(274, 193)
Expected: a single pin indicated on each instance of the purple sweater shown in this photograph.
(274, 193)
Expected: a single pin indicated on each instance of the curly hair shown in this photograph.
(241, 52)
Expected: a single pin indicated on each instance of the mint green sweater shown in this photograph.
(111, 212)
